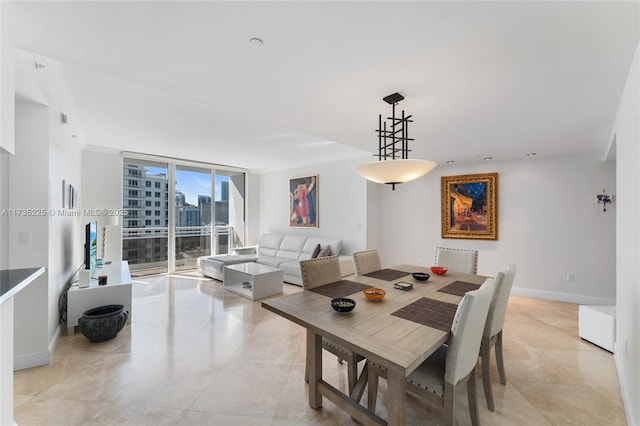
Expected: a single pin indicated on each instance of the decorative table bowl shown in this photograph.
(440, 270)
(374, 293)
(420, 276)
(103, 323)
(342, 304)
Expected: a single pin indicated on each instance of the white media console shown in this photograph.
(117, 291)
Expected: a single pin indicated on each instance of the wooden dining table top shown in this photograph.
(371, 329)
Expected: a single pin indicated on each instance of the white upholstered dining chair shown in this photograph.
(318, 272)
(366, 261)
(457, 260)
(492, 336)
(452, 365)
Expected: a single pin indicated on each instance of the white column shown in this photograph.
(171, 231)
(6, 363)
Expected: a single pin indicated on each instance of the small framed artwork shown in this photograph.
(470, 206)
(303, 202)
(71, 194)
(65, 197)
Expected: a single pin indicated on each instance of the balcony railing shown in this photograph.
(146, 248)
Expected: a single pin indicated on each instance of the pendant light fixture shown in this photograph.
(394, 166)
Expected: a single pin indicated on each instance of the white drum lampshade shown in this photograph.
(394, 166)
(395, 171)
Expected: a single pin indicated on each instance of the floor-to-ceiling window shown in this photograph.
(144, 230)
(178, 212)
(193, 214)
(229, 211)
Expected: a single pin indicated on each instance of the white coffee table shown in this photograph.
(252, 280)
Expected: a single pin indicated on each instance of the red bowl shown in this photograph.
(440, 270)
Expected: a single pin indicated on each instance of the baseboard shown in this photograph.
(38, 359)
(626, 398)
(563, 297)
(35, 359)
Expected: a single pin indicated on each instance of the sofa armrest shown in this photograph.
(244, 250)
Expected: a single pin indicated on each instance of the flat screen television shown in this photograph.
(91, 246)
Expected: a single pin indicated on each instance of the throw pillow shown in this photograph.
(316, 251)
(326, 251)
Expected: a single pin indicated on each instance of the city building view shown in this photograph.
(146, 225)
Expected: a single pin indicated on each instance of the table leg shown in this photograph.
(396, 397)
(314, 354)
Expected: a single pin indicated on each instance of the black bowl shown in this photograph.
(420, 276)
(342, 304)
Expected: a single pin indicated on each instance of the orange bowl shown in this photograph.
(374, 293)
(440, 270)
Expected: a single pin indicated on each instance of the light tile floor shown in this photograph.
(197, 355)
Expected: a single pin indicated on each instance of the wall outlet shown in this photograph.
(571, 277)
(24, 238)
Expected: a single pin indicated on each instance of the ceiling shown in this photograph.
(481, 79)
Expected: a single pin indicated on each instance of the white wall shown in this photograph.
(65, 236)
(28, 236)
(626, 133)
(102, 189)
(45, 154)
(342, 201)
(4, 204)
(549, 222)
(252, 209)
(7, 92)
(548, 225)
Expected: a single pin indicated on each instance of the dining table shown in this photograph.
(398, 333)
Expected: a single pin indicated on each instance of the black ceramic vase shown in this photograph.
(103, 323)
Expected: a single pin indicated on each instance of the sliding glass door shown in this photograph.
(193, 214)
(179, 212)
(229, 211)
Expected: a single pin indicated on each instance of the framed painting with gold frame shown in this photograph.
(470, 206)
(303, 202)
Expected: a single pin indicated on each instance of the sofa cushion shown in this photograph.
(291, 247)
(290, 268)
(312, 242)
(269, 244)
(326, 251)
(272, 261)
(316, 251)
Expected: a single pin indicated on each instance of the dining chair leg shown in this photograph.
(449, 404)
(499, 360)
(485, 353)
(372, 389)
(473, 399)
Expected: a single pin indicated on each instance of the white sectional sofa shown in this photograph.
(280, 251)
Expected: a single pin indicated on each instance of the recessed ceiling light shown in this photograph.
(532, 154)
(255, 42)
(450, 162)
(487, 158)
